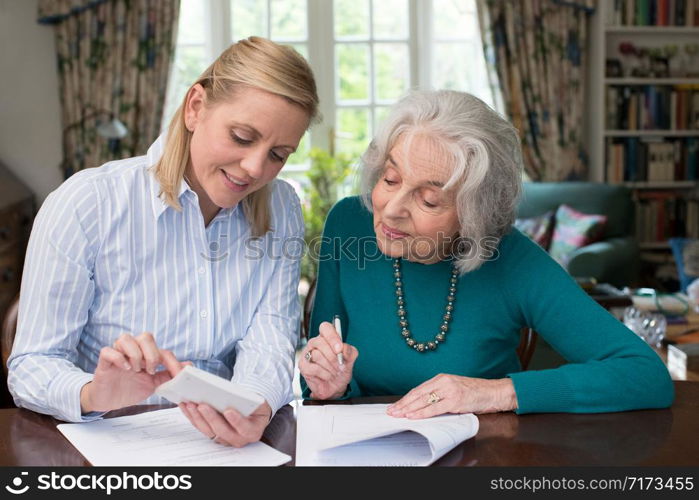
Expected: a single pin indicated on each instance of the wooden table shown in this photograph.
(678, 333)
(649, 437)
(675, 330)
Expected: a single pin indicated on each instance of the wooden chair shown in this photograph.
(525, 350)
(307, 308)
(7, 338)
(527, 345)
(9, 327)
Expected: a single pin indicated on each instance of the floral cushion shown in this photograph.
(574, 230)
(539, 228)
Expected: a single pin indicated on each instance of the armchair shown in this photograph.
(615, 258)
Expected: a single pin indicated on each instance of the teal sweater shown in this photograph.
(610, 368)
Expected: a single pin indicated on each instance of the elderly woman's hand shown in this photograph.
(455, 394)
(230, 427)
(325, 376)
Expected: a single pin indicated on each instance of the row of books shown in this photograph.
(652, 159)
(652, 12)
(661, 215)
(652, 107)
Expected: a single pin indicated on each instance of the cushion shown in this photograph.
(686, 254)
(539, 228)
(574, 230)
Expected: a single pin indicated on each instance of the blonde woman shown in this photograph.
(180, 255)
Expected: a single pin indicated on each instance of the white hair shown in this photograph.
(483, 148)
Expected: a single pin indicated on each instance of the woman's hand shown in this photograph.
(127, 374)
(230, 427)
(455, 394)
(325, 376)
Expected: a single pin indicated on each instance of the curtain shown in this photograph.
(114, 58)
(538, 50)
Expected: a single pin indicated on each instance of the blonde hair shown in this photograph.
(484, 150)
(253, 62)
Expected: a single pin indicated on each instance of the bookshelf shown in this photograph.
(644, 102)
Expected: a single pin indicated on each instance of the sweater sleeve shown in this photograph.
(609, 367)
(328, 300)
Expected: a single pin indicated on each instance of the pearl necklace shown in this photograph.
(402, 312)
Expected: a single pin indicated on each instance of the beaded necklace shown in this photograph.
(402, 312)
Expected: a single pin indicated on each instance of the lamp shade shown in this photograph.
(113, 129)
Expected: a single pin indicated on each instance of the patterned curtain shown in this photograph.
(113, 61)
(538, 50)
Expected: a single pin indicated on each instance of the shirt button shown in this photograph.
(202, 270)
(201, 354)
(203, 314)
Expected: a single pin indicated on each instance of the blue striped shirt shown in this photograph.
(107, 255)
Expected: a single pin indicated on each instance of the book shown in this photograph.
(364, 435)
(692, 162)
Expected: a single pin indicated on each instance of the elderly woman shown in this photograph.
(432, 284)
(144, 262)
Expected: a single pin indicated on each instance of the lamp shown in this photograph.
(112, 130)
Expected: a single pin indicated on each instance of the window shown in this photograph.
(365, 54)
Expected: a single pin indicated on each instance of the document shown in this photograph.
(362, 435)
(160, 438)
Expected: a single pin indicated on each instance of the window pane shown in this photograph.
(301, 48)
(461, 66)
(190, 28)
(449, 66)
(380, 114)
(288, 19)
(188, 65)
(249, 17)
(351, 19)
(298, 180)
(301, 154)
(352, 65)
(390, 19)
(455, 19)
(391, 69)
(352, 133)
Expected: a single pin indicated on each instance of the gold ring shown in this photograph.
(433, 398)
(308, 356)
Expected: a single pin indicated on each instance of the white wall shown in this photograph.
(30, 114)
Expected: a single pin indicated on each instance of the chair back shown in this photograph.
(307, 309)
(9, 327)
(527, 345)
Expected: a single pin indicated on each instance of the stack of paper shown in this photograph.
(361, 435)
(160, 438)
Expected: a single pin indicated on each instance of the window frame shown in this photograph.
(321, 54)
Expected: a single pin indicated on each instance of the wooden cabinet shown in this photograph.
(17, 209)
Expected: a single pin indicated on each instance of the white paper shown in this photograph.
(365, 435)
(160, 438)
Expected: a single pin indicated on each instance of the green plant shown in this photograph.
(326, 175)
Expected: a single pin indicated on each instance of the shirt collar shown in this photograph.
(155, 151)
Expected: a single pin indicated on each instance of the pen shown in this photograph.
(338, 327)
